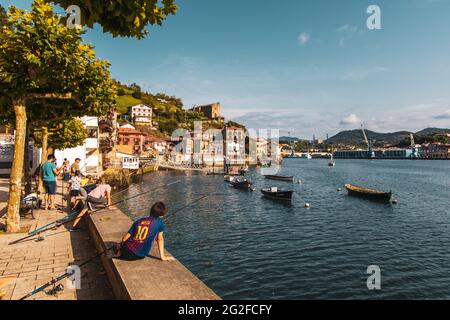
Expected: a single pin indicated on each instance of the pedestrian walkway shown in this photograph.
(36, 262)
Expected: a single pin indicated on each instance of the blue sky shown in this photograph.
(304, 66)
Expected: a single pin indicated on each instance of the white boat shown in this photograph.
(306, 155)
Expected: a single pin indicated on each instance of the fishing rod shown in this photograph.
(68, 274)
(71, 217)
(72, 214)
(63, 276)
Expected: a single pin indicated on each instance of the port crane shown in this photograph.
(415, 152)
(369, 146)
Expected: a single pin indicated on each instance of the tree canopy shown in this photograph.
(46, 72)
(122, 17)
(69, 133)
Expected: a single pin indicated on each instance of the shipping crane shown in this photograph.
(369, 146)
(414, 150)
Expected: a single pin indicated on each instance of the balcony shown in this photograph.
(91, 143)
(106, 143)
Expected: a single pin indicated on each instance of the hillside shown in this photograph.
(356, 138)
(168, 111)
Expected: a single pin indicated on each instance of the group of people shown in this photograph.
(84, 196)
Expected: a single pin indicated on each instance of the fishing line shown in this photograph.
(65, 220)
(64, 275)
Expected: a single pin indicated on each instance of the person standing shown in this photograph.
(75, 166)
(67, 170)
(49, 174)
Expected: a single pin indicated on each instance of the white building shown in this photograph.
(7, 152)
(235, 145)
(140, 113)
(89, 153)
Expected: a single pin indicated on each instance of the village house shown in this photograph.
(130, 140)
(234, 145)
(141, 114)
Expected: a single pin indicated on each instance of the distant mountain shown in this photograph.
(288, 139)
(429, 131)
(355, 137)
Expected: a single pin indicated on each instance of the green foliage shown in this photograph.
(66, 134)
(46, 65)
(137, 95)
(121, 92)
(127, 18)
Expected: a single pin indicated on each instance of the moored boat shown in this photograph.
(278, 194)
(368, 193)
(280, 178)
(242, 184)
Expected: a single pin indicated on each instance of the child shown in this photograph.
(75, 185)
(136, 244)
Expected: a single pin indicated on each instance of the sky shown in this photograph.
(306, 67)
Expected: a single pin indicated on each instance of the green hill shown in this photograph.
(168, 111)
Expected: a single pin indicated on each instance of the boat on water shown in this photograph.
(331, 163)
(368, 193)
(280, 178)
(231, 177)
(277, 194)
(242, 184)
(306, 155)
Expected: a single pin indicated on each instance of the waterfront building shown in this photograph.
(211, 111)
(436, 151)
(157, 145)
(108, 129)
(128, 136)
(391, 153)
(89, 153)
(7, 152)
(234, 145)
(141, 114)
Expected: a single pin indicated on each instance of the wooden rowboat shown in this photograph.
(368, 193)
(242, 184)
(280, 178)
(278, 194)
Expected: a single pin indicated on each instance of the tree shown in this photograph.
(69, 133)
(46, 71)
(122, 18)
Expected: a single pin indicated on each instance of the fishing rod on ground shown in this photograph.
(63, 276)
(73, 216)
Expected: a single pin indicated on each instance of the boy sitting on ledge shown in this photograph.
(136, 244)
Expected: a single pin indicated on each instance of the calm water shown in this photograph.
(247, 247)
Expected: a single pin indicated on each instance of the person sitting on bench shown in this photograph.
(137, 242)
(101, 195)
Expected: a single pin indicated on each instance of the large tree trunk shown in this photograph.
(26, 166)
(15, 182)
(44, 154)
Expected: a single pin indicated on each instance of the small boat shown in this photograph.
(278, 194)
(306, 155)
(243, 171)
(368, 193)
(280, 178)
(243, 184)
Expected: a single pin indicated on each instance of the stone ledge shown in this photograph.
(147, 279)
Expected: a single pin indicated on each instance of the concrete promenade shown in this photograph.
(36, 262)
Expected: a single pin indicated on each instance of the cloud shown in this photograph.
(347, 32)
(303, 38)
(445, 115)
(352, 119)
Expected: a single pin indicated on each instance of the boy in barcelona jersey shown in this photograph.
(137, 243)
